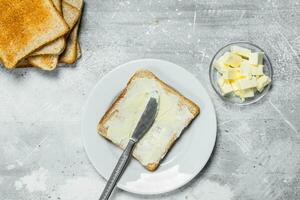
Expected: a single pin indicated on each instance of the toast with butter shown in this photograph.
(175, 112)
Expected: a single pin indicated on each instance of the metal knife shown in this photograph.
(142, 127)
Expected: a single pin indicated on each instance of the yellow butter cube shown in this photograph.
(247, 93)
(221, 81)
(256, 58)
(235, 86)
(232, 59)
(257, 71)
(245, 68)
(231, 73)
(243, 94)
(226, 89)
(239, 94)
(262, 82)
(220, 66)
(241, 51)
(246, 83)
(225, 86)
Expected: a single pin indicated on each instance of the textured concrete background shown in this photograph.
(257, 154)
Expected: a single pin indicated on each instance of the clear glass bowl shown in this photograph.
(231, 98)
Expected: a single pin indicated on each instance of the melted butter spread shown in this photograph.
(171, 119)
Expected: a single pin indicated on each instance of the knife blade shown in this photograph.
(146, 120)
(142, 127)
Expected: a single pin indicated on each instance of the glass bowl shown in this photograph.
(231, 98)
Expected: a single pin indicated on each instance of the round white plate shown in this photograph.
(189, 154)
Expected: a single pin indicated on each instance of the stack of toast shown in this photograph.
(39, 33)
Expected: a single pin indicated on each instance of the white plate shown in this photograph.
(187, 157)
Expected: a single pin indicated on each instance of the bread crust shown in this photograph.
(70, 54)
(45, 62)
(193, 108)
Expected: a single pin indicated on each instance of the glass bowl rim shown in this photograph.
(270, 68)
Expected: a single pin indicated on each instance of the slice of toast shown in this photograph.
(175, 112)
(45, 62)
(27, 25)
(46, 57)
(55, 47)
(69, 56)
(58, 45)
(71, 14)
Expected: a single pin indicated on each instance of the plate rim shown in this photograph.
(94, 89)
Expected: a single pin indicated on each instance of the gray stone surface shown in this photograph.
(257, 154)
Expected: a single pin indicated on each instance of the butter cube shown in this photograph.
(226, 89)
(247, 83)
(241, 51)
(232, 59)
(246, 69)
(262, 82)
(256, 58)
(231, 73)
(239, 94)
(247, 93)
(257, 71)
(220, 66)
(221, 81)
(225, 86)
(234, 85)
(243, 94)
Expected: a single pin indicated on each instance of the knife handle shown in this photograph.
(118, 171)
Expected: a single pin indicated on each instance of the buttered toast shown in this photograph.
(175, 112)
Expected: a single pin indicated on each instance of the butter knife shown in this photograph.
(142, 127)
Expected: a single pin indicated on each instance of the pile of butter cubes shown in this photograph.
(241, 72)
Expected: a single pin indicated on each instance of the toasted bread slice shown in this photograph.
(41, 58)
(45, 62)
(69, 56)
(55, 47)
(27, 25)
(58, 45)
(71, 14)
(174, 114)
